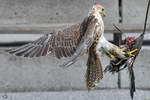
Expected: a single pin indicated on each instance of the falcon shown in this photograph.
(85, 37)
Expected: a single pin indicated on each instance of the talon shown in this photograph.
(134, 50)
(131, 52)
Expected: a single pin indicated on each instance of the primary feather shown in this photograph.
(61, 43)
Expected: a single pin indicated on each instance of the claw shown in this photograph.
(131, 52)
(134, 50)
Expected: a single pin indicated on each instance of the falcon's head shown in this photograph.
(98, 8)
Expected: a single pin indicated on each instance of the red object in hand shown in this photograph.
(130, 40)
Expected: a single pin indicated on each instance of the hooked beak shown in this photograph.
(103, 13)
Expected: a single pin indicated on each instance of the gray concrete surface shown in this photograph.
(52, 11)
(44, 74)
(134, 11)
(112, 94)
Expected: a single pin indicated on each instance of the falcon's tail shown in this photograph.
(94, 71)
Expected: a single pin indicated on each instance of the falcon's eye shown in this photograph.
(102, 9)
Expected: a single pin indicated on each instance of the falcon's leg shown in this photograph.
(109, 54)
(111, 50)
(131, 52)
(116, 52)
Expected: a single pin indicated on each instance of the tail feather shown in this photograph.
(94, 71)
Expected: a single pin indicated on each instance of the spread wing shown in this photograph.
(62, 43)
(85, 43)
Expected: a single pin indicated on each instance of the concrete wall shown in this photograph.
(67, 11)
(42, 15)
(52, 11)
(44, 74)
(134, 11)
